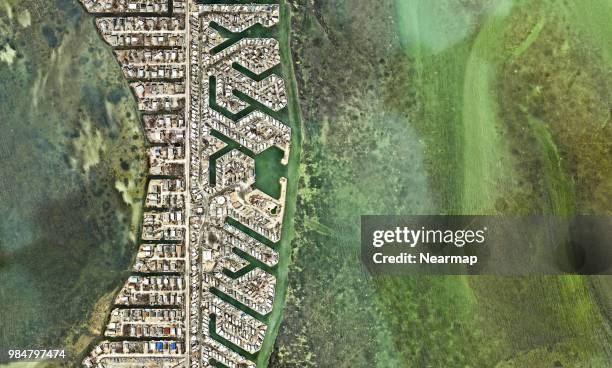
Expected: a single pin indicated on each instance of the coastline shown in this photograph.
(287, 234)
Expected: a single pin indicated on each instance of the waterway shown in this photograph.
(72, 175)
(292, 174)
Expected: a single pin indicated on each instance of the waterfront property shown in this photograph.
(204, 279)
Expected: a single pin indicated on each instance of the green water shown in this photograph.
(270, 169)
(446, 106)
(268, 165)
(504, 111)
(292, 174)
(66, 119)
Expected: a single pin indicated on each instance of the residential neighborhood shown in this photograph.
(203, 280)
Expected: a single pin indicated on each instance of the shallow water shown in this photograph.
(66, 121)
(443, 72)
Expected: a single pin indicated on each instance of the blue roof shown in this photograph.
(172, 345)
(159, 345)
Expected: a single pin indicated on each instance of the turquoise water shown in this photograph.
(66, 121)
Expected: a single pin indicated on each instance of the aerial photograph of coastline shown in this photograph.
(192, 183)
